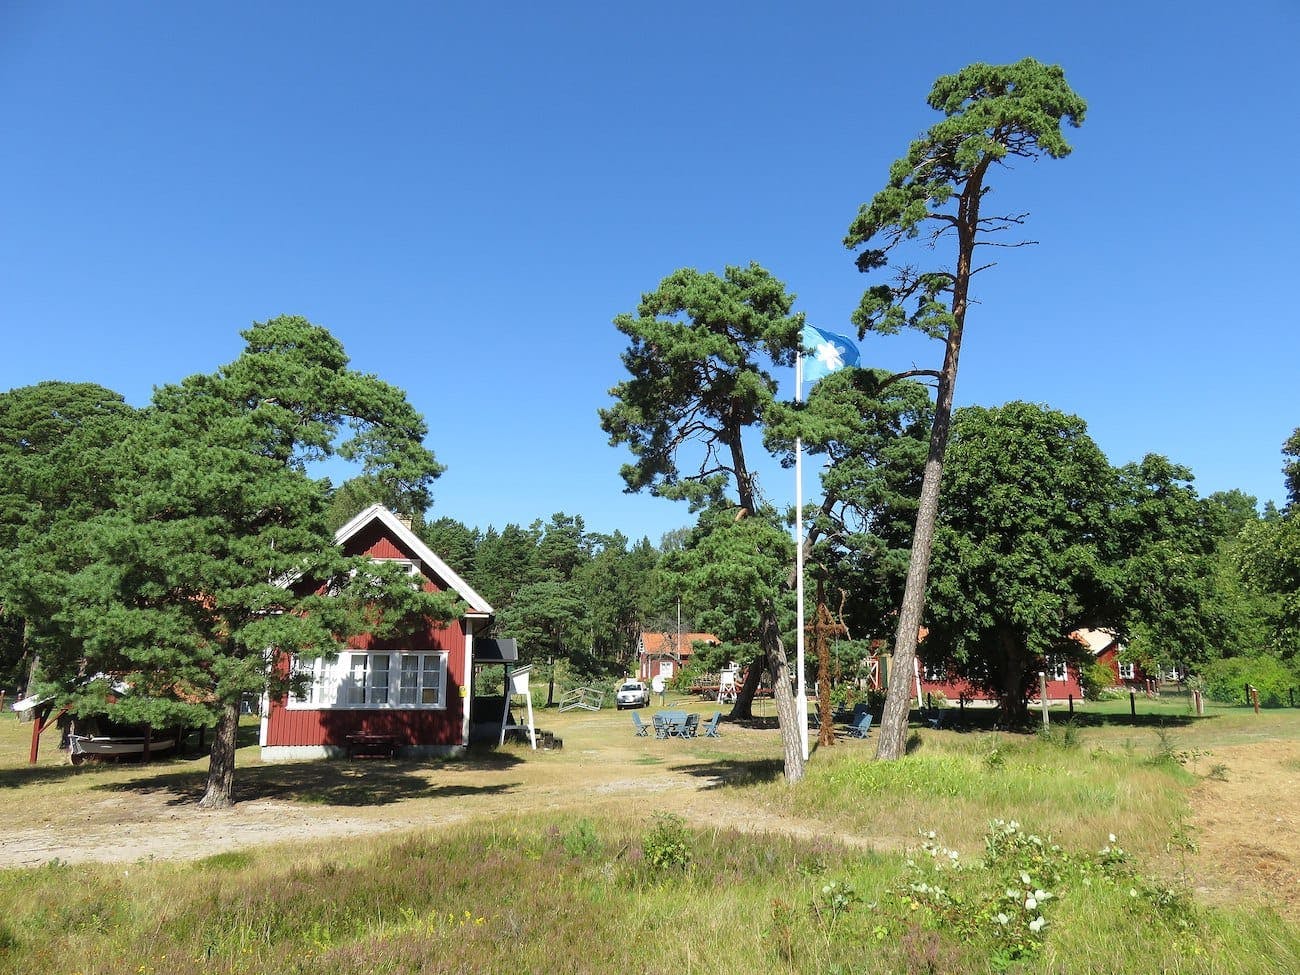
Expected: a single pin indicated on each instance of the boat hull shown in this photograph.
(83, 746)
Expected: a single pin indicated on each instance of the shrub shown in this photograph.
(668, 845)
(1226, 680)
(581, 842)
(1096, 679)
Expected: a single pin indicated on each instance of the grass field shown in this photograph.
(625, 854)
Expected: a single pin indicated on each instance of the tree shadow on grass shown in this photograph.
(329, 783)
(975, 720)
(13, 778)
(729, 773)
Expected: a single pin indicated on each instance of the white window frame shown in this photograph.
(1059, 667)
(933, 674)
(1127, 670)
(412, 569)
(358, 680)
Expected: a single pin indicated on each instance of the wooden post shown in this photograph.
(1132, 703)
(148, 740)
(1072, 704)
(1042, 694)
(1254, 698)
(38, 725)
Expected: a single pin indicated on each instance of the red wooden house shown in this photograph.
(1063, 678)
(666, 654)
(410, 692)
(1106, 648)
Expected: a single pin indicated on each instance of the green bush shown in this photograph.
(668, 845)
(1226, 680)
(1096, 678)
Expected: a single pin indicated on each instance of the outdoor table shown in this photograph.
(669, 723)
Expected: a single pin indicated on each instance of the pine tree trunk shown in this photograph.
(893, 723)
(743, 708)
(787, 714)
(221, 766)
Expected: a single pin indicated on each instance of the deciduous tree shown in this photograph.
(1020, 551)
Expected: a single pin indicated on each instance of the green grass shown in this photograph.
(573, 892)
(523, 895)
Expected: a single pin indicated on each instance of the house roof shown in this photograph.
(1095, 640)
(478, 606)
(653, 644)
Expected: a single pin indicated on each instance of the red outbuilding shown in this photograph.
(405, 695)
(1062, 673)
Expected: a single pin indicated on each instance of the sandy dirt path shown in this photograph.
(1246, 822)
(122, 822)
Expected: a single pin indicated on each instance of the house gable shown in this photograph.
(379, 533)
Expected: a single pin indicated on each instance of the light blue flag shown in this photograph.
(825, 353)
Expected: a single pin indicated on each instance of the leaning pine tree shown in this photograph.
(992, 114)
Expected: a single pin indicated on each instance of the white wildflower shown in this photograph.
(1037, 924)
(1002, 919)
(1112, 838)
(1030, 903)
(1024, 878)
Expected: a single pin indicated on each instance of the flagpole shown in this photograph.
(801, 695)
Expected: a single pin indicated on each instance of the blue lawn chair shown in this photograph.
(710, 728)
(861, 726)
(642, 729)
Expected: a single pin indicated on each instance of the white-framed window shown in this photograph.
(934, 673)
(421, 679)
(1127, 670)
(386, 679)
(412, 569)
(316, 680)
(1057, 669)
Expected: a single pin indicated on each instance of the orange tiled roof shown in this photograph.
(660, 643)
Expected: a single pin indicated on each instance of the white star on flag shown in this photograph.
(826, 353)
(829, 356)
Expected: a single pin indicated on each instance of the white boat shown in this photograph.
(85, 746)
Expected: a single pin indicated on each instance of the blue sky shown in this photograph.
(467, 193)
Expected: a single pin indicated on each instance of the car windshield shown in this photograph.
(630, 687)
